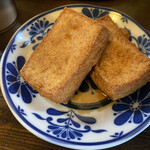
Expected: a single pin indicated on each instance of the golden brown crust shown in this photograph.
(124, 32)
(65, 56)
(123, 68)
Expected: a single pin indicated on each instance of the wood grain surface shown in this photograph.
(13, 136)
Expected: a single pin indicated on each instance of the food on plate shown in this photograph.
(73, 46)
(123, 68)
(88, 96)
(124, 32)
(65, 56)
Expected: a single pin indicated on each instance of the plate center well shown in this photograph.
(88, 96)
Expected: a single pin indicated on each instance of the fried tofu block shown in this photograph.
(65, 56)
(123, 69)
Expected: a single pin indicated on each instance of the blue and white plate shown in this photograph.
(99, 128)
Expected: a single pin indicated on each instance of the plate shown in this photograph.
(99, 128)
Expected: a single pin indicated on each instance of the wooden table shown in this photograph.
(14, 136)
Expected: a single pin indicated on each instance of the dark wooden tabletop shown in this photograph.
(13, 136)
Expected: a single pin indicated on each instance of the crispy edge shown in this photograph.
(73, 83)
(113, 91)
(55, 94)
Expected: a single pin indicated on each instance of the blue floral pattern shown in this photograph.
(21, 111)
(143, 43)
(68, 126)
(94, 13)
(124, 19)
(16, 85)
(13, 47)
(134, 108)
(37, 31)
(117, 134)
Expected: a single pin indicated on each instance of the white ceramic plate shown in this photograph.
(105, 127)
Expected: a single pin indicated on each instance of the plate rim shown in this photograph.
(24, 122)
